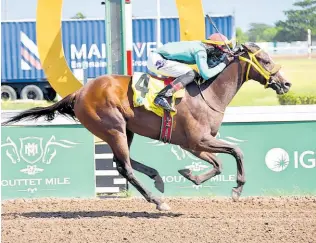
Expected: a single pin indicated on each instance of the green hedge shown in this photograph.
(297, 99)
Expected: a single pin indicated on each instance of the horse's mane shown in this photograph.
(237, 51)
(240, 49)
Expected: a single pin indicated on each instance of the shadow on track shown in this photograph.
(93, 214)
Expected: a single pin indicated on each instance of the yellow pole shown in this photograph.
(191, 21)
(50, 47)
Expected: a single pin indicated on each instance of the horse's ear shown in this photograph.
(246, 47)
(237, 49)
(250, 47)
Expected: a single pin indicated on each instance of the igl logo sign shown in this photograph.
(278, 159)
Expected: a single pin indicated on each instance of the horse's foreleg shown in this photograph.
(208, 157)
(212, 145)
(150, 172)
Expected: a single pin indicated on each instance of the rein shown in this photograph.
(209, 105)
(252, 62)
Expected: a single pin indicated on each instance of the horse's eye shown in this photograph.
(266, 62)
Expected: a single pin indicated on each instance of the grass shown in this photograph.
(299, 70)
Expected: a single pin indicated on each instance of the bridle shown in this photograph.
(253, 62)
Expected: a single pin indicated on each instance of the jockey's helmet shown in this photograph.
(218, 40)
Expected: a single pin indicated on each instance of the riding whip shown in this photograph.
(211, 21)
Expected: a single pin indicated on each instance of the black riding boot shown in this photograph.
(170, 89)
(161, 98)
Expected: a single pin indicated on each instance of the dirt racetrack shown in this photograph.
(134, 220)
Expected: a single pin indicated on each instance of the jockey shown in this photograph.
(172, 58)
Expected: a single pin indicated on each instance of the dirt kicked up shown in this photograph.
(290, 219)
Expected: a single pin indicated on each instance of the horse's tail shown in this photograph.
(64, 107)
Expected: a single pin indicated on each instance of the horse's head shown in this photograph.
(262, 69)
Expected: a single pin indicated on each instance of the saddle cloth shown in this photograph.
(145, 88)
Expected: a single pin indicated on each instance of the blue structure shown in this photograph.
(84, 46)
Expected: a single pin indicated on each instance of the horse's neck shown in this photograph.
(226, 86)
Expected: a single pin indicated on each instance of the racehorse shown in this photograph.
(105, 107)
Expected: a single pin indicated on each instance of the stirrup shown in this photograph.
(162, 102)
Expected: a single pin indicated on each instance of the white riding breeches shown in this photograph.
(158, 65)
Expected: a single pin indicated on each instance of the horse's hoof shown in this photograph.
(159, 184)
(163, 207)
(185, 172)
(235, 194)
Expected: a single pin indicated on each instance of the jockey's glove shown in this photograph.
(227, 59)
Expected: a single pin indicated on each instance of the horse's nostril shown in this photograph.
(287, 84)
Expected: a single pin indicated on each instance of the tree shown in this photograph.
(269, 33)
(260, 32)
(241, 36)
(298, 20)
(78, 15)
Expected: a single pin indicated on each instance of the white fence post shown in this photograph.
(309, 43)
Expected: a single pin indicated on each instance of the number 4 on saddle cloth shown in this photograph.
(145, 88)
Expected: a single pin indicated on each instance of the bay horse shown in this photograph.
(105, 107)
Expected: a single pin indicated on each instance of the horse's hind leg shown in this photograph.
(208, 157)
(110, 126)
(119, 145)
(150, 172)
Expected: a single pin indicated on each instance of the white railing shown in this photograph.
(232, 114)
(285, 48)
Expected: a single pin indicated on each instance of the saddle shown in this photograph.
(145, 88)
